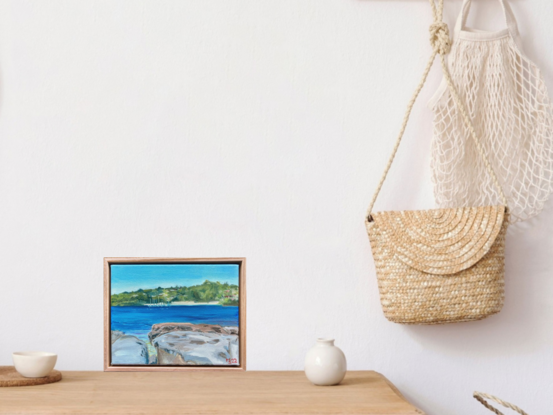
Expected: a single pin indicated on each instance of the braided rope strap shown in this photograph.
(481, 397)
(441, 45)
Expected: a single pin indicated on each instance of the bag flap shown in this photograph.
(440, 241)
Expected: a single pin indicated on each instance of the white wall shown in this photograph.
(245, 128)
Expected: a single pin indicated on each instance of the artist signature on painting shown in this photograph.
(232, 361)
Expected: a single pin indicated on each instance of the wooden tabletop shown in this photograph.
(213, 393)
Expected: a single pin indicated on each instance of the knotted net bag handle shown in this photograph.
(441, 45)
(481, 397)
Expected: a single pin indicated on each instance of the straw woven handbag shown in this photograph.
(443, 265)
(482, 397)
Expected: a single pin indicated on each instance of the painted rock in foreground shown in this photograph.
(194, 344)
(129, 350)
(115, 335)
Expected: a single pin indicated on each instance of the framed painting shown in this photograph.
(169, 314)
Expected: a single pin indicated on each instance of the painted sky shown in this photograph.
(131, 277)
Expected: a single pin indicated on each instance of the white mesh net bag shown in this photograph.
(507, 100)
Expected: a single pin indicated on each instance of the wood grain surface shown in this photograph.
(214, 393)
(10, 377)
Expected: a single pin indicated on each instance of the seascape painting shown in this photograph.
(174, 314)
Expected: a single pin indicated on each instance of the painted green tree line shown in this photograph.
(209, 291)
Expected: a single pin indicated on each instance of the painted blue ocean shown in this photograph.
(137, 321)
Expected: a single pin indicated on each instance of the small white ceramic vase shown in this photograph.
(325, 364)
(34, 364)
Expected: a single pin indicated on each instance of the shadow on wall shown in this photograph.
(521, 325)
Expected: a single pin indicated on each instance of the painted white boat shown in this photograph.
(156, 304)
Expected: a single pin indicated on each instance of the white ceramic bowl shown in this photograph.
(34, 364)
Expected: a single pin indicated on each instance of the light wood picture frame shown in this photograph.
(206, 298)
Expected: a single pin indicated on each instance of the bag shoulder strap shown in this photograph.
(481, 397)
(441, 45)
(510, 19)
